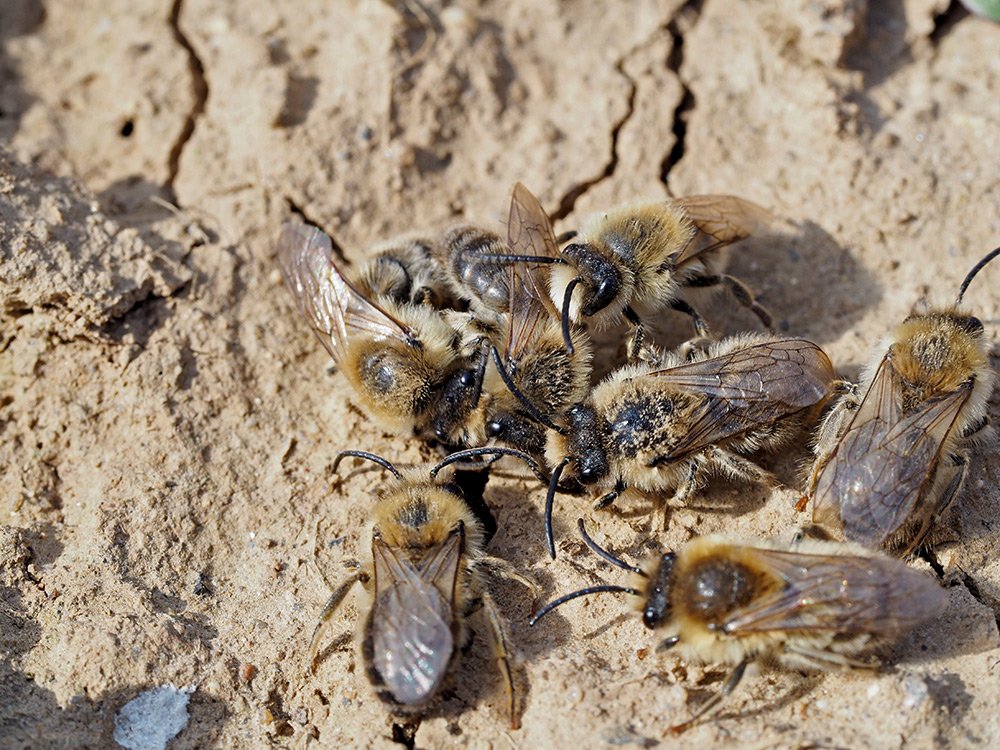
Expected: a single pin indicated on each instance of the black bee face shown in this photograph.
(601, 278)
(459, 398)
(585, 444)
(656, 611)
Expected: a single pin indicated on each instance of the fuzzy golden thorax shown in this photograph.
(416, 514)
(935, 353)
(396, 382)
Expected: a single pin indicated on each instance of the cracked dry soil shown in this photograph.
(168, 423)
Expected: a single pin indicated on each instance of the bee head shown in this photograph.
(601, 278)
(584, 444)
(969, 323)
(656, 608)
(459, 399)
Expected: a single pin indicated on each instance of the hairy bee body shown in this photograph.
(405, 269)
(718, 590)
(414, 518)
(811, 607)
(396, 382)
(659, 427)
(425, 578)
(645, 257)
(550, 377)
(892, 456)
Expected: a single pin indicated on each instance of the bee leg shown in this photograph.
(740, 291)
(739, 467)
(683, 493)
(700, 327)
(425, 296)
(713, 703)
(500, 568)
(605, 500)
(636, 350)
(498, 640)
(976, 428)
(332, 604)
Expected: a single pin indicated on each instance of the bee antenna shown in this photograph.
(577, 594)
(604, 554)
(550, 497)
(532, 410)
(368, 456)
(567, 299)
(972, 274)
(473, 452)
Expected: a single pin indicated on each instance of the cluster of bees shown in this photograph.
(479, 343)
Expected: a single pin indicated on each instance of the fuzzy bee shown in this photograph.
(658, 427)
(892, 459)
(407, 366)
(645, 255)
(814, 607)
(426, 576)
(541, 375)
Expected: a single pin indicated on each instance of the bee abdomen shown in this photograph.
(479, 277)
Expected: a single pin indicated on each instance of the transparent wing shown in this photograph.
(749, 388)
(841, 593)
(335, 309)
(411, 624)
(877, 479)
(720, 220)
(529, 233)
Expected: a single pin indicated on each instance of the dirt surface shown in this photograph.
(168, 422)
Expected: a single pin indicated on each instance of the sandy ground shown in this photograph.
(168, 422)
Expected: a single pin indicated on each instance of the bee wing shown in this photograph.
(748, 388)
(720, 220)
(529, 233)
(836, 592)
(334, 307)
(411, 623)
(885, 462)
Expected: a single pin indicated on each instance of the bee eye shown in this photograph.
(588, 475)
(494, 428)
(973, 324)
(468, 379)
(441, 434)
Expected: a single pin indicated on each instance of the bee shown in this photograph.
(890, 461)
(425, 577)
(644, 255)
(541, 375)
(720, 602)
(405, 269)
(407, 366)
(669, 426)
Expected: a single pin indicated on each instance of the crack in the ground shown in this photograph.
(568, 201)
(958, 577)
(338, 249)
(687, 14)
(199, 87)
